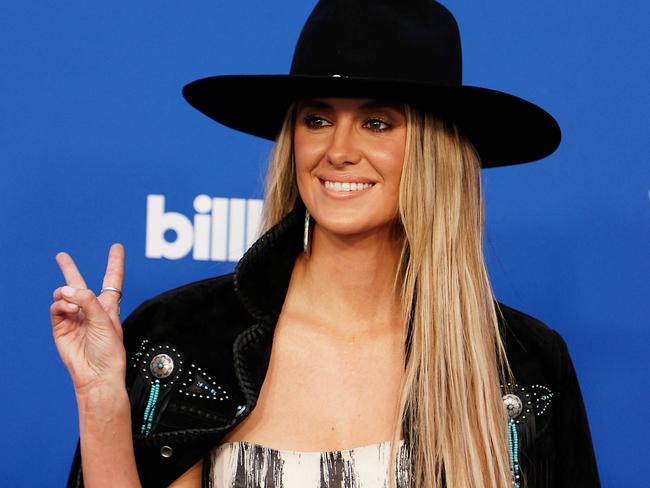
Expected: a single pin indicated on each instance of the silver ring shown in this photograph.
(112, 288)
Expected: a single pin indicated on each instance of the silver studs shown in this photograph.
(161, 366)
(240, 410)
(543, 396)
(166, 451)
(199, 384)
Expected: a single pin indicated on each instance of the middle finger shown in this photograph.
(114, 276)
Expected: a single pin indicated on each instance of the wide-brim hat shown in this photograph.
(408, 51)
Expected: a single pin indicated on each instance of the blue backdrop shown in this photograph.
(95, 136)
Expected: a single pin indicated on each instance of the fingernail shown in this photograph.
(68, 290)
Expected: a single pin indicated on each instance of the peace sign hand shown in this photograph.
(86, 328)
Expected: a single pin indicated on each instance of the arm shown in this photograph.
(575, 459)
(106, 443)
(88, 335)
(107, 453)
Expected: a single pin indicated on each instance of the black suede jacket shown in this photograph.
(212, 343)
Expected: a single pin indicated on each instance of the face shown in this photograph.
(349, 154)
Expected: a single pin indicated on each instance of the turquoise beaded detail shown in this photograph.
(513, 452)
(151, 408)
(523, 403)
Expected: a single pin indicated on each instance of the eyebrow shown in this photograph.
(311, 103)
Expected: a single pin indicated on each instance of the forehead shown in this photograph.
(353, 103)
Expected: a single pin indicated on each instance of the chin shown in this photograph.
(353, 225)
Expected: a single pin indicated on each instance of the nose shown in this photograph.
(343, 147)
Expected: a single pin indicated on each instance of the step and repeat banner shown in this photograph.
(98, 146)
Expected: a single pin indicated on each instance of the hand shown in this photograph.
(86, 328)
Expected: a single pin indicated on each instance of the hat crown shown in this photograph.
(414, 40)
(408, 51)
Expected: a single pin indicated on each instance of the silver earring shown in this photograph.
(305, 241)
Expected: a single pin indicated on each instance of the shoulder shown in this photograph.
(203, 310)
(554, 435)
(535, 350)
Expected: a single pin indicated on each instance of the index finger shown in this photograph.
(114, 275)
(69, 269)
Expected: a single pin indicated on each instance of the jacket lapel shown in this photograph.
(263, 273)
(261, 281)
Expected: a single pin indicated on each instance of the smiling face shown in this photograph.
(349, 154)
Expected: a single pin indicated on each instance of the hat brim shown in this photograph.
(504, 129)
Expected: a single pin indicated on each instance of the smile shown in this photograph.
(345, 190)
(346, 186)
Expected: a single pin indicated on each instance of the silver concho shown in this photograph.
(161, 366)
(513, 405)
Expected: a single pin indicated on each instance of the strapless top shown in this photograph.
(242, 464)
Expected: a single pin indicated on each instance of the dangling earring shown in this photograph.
(305, 241)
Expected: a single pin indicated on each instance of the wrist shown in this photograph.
(99, 385)
(102, 397)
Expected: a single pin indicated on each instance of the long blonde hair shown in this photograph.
(450, 400)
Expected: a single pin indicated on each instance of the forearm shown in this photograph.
(107, 454)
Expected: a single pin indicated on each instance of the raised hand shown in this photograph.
(86, 328)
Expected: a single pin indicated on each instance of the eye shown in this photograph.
(377, 125)
(314, 121)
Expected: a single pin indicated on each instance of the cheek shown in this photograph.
(389, 160)
(306, 151)
(306, 157)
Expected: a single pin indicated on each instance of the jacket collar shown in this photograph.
(261, 280)
(262, 276)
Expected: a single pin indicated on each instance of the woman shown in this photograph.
(358, 342)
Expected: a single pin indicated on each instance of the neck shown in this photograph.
(347, 282)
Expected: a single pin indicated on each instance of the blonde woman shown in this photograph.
(358, 342)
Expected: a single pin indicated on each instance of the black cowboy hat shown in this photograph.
(406, 50)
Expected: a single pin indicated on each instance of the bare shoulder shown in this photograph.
(192, 478)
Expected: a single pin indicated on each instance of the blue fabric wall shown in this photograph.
(92, 125)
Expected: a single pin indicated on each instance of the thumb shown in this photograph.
(87, 301)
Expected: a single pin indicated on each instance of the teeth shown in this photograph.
(346, 186)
